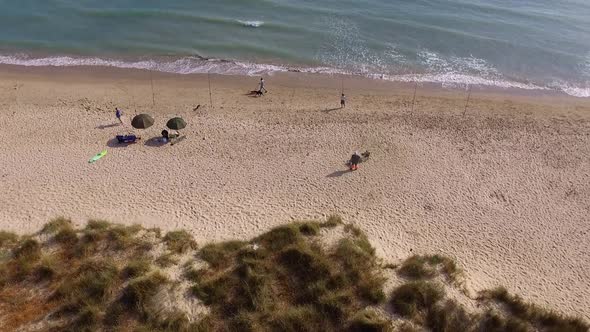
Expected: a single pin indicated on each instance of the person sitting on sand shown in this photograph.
(354, 161)
(166, 136)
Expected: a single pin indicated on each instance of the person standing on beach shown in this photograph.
(342, 101)
(262, 88)
(118, 114)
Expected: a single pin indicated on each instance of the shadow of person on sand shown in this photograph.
(108, 126)
(331, 109)
(155, 142)
(253, 94)
(114, 143)
(336, 174)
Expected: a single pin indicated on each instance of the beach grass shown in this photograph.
(137, 267)
(448, 315)
(179, 241)
(91, 283)
(8, 238)
(140, 290)
(98, 224)
(29, 250)
(427, 266)
(416, 298)
(285, 279)
(368, 320)
(332, 221)
(47, 268)
(57, 224)
(66, 236)
(517, 309)
(426, 303)
(166, 260)
(217, 253)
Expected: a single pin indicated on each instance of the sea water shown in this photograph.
(529, 44)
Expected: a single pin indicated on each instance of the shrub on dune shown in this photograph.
(217, 253)
(416, 298)
(29, 249)
(332, 221)
(357, 257)
(495, 322)
(103, 278)
(303, 263)
(121, 237)
(368, 321)
(279, 237)
(87, 320)
(8, 239)
(47, 268)
(301, 318)
(308, 228)
(137, 267)
(97, 225)
(20, 262)
(287, 276)
(90, 284)
(518, 309)
(66, 236)
(179, 241)
(428, 266)
(166, 260)
(56, 225)
(139, 292)
(450, 316)
(175, 321)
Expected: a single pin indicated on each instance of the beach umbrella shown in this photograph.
(176, 123)
(142, 121)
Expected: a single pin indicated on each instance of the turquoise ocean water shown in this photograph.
(531, 44)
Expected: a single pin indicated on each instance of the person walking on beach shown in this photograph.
(118, 114)
(342, 101)
(262, 89)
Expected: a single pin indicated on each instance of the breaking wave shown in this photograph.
(453, 73)
(251, 24)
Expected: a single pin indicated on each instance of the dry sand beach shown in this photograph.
(504, 189)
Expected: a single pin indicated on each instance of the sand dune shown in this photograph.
(505, 189)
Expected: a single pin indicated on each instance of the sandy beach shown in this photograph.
(503, 187)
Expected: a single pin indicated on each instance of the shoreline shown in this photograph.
(503, 188)
(168, 65)
(350, 83)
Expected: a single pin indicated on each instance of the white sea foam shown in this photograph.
(251, 24)
(188, 65)
(461, 72)
(471, 66)
(448, 74)
(453, 80)
(576, 92)
(572, 90)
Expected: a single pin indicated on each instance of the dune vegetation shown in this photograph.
(302, 276)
